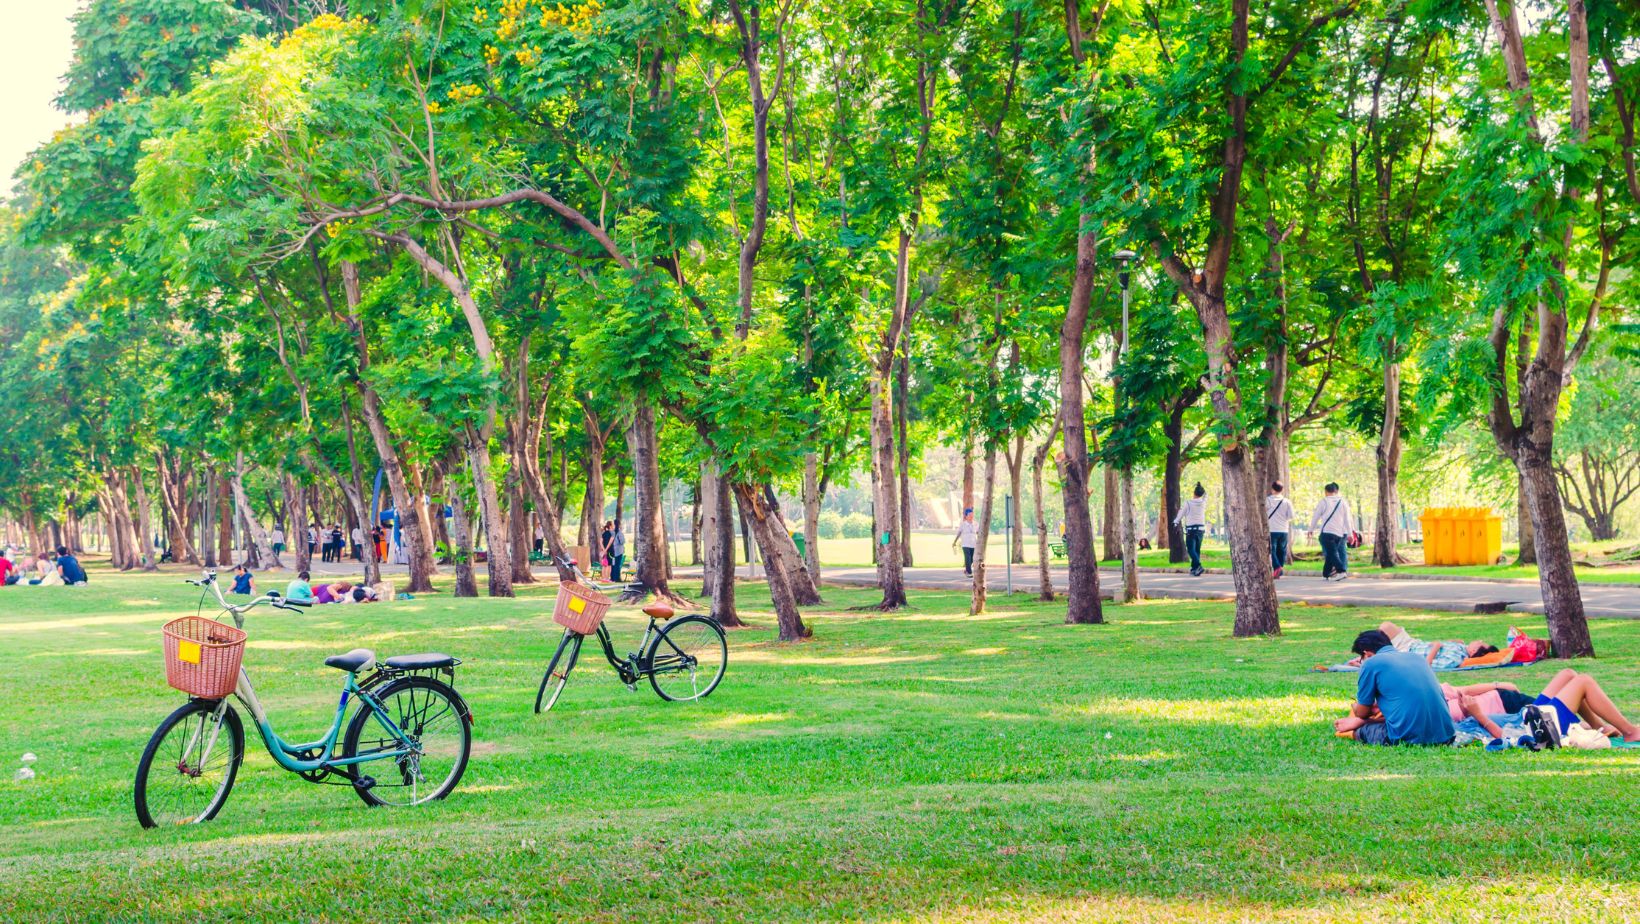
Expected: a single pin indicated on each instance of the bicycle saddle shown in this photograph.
(658, 611)
(419, 662)
(352, 661)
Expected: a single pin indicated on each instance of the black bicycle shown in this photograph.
(684, 657)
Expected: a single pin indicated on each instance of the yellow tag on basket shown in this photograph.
(188, 651)
(577, 605)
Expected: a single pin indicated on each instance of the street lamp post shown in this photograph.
(1130, 539)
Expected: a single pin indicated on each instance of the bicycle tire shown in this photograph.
(552, 686)
(415, 718)
(694, 645)
(147, 795)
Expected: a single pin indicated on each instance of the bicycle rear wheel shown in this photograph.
(189, 765)
(563, 661)
(434, 717)
(687, 659)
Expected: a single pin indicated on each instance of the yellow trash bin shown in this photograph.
(1494, 537)
(1462, 549)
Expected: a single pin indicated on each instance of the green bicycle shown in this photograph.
(408, 717)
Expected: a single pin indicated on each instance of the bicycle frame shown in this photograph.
(285, 753)
(630, 669)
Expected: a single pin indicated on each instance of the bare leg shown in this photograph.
(1559, 681)
(1389, 628)
(1583, 692)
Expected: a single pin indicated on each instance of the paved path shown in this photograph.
(1450, 595)
(1453, 595)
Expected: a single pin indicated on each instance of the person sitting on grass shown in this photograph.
(243, 583)
(1441, 656)
(8, 571)
(1397, 699)
(299, 590)
(69, 567)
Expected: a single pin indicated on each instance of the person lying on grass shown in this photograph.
(1571, 697)
(1397, 698)
(1441, 656)
(331, 593)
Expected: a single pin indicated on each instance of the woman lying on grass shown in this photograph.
(1440, 655)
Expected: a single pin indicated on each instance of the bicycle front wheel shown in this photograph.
(188, 768)
(563, 661)
(687, 659)
(434, 719)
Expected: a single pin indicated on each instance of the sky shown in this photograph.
(36, 40)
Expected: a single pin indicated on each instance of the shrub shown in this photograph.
(830, 526)
(857, 526)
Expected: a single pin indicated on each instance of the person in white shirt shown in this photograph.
(277, 540)
(1278, 512)
(358, 544)
(1193, 517)
(967, 537)
(1333, 521)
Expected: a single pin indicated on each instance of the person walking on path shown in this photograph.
(1278, 512)
(606, 542)
(1193, 517)
(1332, 519)
(967, 537)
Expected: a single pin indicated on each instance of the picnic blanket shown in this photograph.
(1344, 668)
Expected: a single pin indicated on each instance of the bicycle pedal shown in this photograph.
(363, 783)
(631, 688)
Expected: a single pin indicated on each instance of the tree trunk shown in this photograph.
(811, 513)
(1112, 521)
(1388, 457)
(1130, 543)
(694, 528)
(967, 475)
(499, 566)
(462, 541)
(1044, 558)
(1257, 608)
(247, 518)
(145, 522)
(804, 583)
(1562, 598)
(886, 503)
(765, 525)
(296, 529)
(208, 517)
(224, 521)
(1084, 605)
(976, 604)
(648, 532)
(520, 537)
(1523, 520)
(718, 526)
(902, 414)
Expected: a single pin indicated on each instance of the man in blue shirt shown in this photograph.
(1402, 687)
(69, 567)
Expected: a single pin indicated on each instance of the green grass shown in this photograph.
(931, 548)
(914, 767)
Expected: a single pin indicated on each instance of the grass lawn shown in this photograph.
(931, 548)
(924, 766)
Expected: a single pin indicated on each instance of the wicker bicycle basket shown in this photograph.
(579, 608)
(202, 656)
